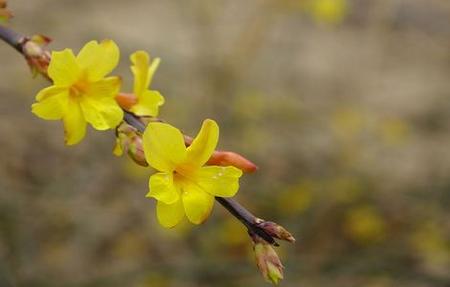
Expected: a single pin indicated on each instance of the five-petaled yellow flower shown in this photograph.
(184, 185)
(80, 93)
(148, 101)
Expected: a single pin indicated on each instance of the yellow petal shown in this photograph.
(169, 215)
(74, 124)
(219, 180)
(140, 60)
(142, 71)
(163, 146)
(148, 104)
(52, 103)
(118, 151)
(105, 88)
(162, 188)
(103, 113)
(197, 203)
(152, 69)
(98, 59)
(63, 68)
(49, 92)
(203, 145)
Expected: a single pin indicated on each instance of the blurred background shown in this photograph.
(343, 104)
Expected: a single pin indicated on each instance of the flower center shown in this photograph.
(180, 178)
(79, 88)
(183, 177)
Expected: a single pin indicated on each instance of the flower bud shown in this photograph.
(226, 158)
(126, 100)
(136, 151)
(267, 260)
(275, 230)
(130, 141)
(37, 57)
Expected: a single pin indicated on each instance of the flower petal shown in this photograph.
(140, 60)
(49, 92)
(102, 114)
(197, 203)
(219, 180)
(117, 150)
(74, 124)
(169, 215)
(105, 88)
(163, 146)
(162, 188)
(148, 104)
(52, 103)
(63, 68)
(98, 59)
(142, 71)
(203, 145)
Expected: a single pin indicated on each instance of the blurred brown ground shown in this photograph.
(345, 106)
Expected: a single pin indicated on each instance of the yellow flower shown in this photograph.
(148, 101)
(329, 11)
(184, 185)
(80, 93)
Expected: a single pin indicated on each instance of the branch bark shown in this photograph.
(17, 41)
(237, 210)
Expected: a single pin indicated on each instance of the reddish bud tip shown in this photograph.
(227, 158)
(126, 100)
(275, 230)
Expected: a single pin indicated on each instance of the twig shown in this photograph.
(13, 38)
(236, 209)
(17, 41)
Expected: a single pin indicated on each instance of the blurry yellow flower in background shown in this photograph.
(328, 11)
(364, 225)
(297, 198)
(184, 185)
(5, 14)
(348, 123)
(394, 132)
(148, 101)
(430, 243)
(80, 93)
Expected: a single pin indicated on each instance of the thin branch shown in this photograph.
(237, 210)
(17, 41)
(13, 38)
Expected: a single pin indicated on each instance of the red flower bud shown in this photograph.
(226, 158)
(126, 100)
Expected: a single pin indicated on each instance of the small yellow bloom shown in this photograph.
(80, 93)
(184, 185)
(329, 11)
(148, 101)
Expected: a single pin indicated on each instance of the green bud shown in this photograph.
(267, 260)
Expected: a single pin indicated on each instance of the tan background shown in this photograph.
(347, 115)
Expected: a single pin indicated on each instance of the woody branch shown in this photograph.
(256, 227)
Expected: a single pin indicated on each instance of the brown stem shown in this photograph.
(236, 209)
(17, 41)
(13, 38)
